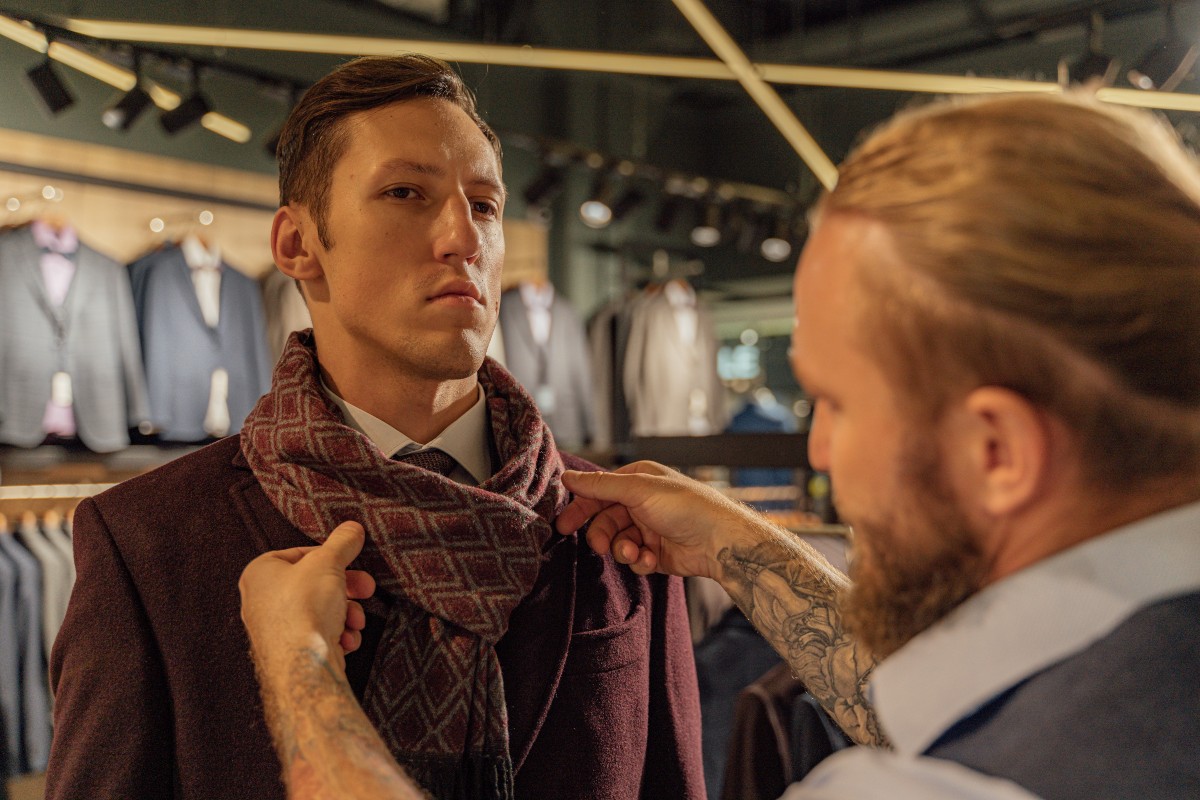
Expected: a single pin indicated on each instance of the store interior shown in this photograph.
(645, 183)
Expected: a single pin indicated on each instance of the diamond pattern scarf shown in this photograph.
(456, 559)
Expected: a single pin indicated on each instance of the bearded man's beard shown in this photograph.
(914, 563)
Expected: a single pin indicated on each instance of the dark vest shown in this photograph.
(1120, 719)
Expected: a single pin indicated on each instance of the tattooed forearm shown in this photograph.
(790, 592)
(325, 743)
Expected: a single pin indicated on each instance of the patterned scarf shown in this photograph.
(457, 559)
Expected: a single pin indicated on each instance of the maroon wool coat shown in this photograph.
(155, 695)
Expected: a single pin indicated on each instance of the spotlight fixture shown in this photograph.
(708, 232)
(122, 114)
(777, 247)
(189, 112)
(626, 202)
(1095, 67)
(671, 206)
(54, 94)
(1168, 62)
(545, 186)
(292, 94)
(596, 211)
(1165, 65)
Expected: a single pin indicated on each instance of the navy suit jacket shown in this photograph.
(156, 695)
(181, 351)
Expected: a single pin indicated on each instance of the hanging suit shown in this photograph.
(671, 385)
(562, 366)
(10, 668)
(33, 718)
(98, 348)
(182, 351)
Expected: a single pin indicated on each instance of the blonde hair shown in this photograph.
(1050, 245)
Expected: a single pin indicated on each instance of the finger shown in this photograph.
(627, 545)
(350, 641)
(359, 585)
(577, 512)
(627, 485)
(356, 618)
(605, 526)
(344, 544)
(647, 562)
(291, 555)
(613, 487)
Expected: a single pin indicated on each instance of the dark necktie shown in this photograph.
(431, 459)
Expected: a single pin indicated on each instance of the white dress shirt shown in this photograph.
(538, 301)
(1006, 633)
(467, 440)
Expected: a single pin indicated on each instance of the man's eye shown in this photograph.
(401, 192)
(486, 208)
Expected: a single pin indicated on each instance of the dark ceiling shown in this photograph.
(699, 127)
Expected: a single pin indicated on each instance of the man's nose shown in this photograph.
(457, 238)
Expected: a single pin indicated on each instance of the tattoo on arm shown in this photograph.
(789, 592)
(326, 744)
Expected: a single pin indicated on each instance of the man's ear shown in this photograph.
(1004, 444)
(294, 244)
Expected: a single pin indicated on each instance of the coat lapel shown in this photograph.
(534, 651)
(181, 277)
(81, 290)
(28, 258)
(519, 314)
(269, 529)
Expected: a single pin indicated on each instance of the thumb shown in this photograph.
(344, 544)
(628, 490)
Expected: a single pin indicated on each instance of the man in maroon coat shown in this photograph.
(496, 659)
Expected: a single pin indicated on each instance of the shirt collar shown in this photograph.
(534, 296)
(64, 241)
(1031, 620)
(466, 440)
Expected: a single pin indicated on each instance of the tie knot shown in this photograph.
(430, 459)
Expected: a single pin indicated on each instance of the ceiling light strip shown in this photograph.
(224, 126)
(88, 64)
(898, 81)
(22, 33)
(521, 56)
(1167, 101)
(767, 98)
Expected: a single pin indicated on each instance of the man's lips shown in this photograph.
(464, 292)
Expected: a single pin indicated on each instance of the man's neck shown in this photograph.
(1081, 516)
(420, 408)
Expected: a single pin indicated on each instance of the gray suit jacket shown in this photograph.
(182, 352)
(100, 350)
(567, 368)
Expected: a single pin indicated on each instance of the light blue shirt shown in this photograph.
(1006, 633)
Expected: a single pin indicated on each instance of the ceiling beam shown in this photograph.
(759, 90)
(592, 61)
